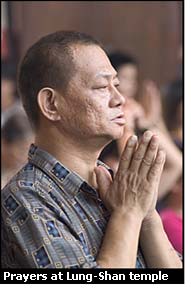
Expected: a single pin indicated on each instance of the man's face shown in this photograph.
(91, 108)
(128, 75)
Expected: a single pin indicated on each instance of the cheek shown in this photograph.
(71, 110)
(97, 110)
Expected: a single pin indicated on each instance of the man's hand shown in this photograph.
(135, 186)
(132, 197)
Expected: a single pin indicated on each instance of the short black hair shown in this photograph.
(48, 63)
(118, 59)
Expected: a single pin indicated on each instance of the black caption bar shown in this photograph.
(92, 276)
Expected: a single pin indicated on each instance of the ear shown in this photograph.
(47, 101)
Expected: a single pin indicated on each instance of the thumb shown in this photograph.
(103, 178)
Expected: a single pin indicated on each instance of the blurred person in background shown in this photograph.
(171, 215)
(16, 136)
(9, 98)
(172, 108)
(171, 204)
(163, 115)
(64, 208)
(8, 87)
(7, 91)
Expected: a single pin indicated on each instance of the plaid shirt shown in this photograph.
(51, 218)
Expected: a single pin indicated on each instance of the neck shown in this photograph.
(79, 157)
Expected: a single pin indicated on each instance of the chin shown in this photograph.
(116, 133)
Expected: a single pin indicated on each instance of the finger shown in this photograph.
(127, 153)
(163, 162)
(140, 152)
(155, 171)
(149, 156)
(103, 179)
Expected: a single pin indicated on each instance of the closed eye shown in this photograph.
(101, 88)
(106, 87)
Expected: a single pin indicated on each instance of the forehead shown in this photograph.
(92, 60)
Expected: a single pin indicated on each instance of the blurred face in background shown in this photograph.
(128, 77)
(14, 154)
(7, 93)
(128, 87)
(15, 140)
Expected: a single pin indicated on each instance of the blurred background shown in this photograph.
(150, 34)
(151, 30)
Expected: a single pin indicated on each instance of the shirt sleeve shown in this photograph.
(33, 237)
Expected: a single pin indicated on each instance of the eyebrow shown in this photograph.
(106, 75)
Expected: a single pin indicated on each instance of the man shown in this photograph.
(63, 210)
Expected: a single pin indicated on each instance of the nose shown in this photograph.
(117, 99)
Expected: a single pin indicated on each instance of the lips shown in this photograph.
(120, 119)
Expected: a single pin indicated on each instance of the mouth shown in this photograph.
(120, 119)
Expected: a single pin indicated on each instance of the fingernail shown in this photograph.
(147, 135)
(154, 140)
(132, 140)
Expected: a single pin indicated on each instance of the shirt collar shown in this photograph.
(64, 178)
